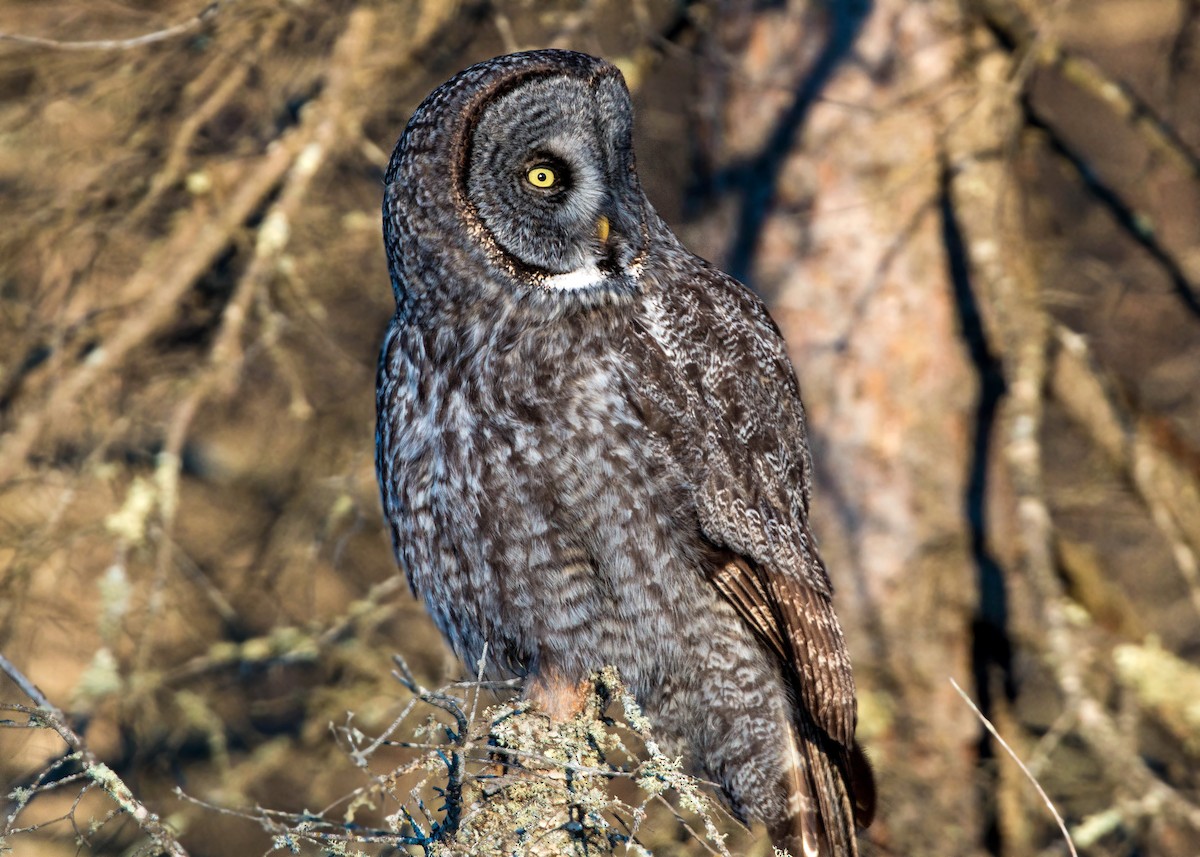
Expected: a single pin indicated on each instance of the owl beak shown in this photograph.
(602, 228)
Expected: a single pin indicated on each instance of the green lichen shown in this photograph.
(552, 788)
(1165, 684)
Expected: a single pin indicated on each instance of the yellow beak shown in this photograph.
(602, 228)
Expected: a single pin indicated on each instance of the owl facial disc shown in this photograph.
(549, 176)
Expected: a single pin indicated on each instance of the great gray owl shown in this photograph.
(591, 446)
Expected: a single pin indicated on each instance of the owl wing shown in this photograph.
(730, 408)
(800, 627)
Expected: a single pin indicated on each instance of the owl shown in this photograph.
(591, 447)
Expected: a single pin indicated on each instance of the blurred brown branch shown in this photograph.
(226, 76)
(170, 270)
(1005, 278)
(325, 124)
(1170, 491)
(1034, 38)
(192, 249)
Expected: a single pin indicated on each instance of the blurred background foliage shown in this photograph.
(977, 222)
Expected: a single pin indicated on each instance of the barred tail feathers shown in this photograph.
(818, 818)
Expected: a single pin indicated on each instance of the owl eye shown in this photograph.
(542, 176)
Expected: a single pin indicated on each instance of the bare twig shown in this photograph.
(452, 705)
(192, 23)
(48, 715)
(27, 687)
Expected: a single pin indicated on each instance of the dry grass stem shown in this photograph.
(1028, 774)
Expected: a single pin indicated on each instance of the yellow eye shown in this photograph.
(541, 177)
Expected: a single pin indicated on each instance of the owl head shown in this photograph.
(515, 180)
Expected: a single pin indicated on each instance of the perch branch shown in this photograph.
(556, 799)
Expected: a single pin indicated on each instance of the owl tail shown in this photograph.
(820, 814)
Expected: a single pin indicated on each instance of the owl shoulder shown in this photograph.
(698, 304)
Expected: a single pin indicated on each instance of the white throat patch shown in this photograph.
(585, 277)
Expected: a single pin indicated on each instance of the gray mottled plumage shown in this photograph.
(591, 447)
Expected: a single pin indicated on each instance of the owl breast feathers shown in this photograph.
(591, 446)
